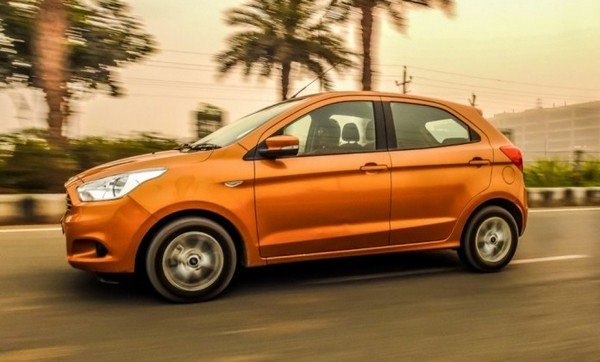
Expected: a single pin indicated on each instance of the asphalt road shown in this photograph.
(543, 306)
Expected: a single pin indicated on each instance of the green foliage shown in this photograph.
(589, 172)
(29, 163)
(548, 173)
(281, 33)
(102, 36)
(92, 151)
(32, 164)
(559, 173)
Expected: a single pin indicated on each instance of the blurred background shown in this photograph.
(83, 82)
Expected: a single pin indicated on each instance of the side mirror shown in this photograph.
(278, 146)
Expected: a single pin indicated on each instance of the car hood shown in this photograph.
(150, 160)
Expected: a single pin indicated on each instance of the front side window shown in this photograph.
(418, 126)
(345, 127)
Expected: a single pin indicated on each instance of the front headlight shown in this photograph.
(116, 186)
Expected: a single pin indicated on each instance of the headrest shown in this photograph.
(350, 133)
(370, 131)
(328, 128)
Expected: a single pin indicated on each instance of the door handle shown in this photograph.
(373, 167)
(478, 161)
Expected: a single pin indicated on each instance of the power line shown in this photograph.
(183, 64)
(502, 89)
(395, 76)
(515, 94)
(495, 99)
(198, 97)
(428, 70)
(185, 52)
(493, 79)
(546, 95)
(195, 84)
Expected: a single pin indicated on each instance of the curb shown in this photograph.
(31, 208)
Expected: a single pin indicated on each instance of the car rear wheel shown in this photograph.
(191, 259)
(490, 240)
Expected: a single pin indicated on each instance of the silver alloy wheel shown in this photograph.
(193, 261)
(493, 239)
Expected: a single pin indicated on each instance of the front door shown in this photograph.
(335, 194)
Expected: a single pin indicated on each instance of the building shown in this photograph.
(207, 118)
(557, 132)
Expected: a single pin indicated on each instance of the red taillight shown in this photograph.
(514, 153)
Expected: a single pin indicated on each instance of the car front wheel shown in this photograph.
(490, 240)
(191, 259)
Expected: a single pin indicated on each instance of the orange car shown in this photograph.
(323, 176)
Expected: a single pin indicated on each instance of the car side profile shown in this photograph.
(323, 176)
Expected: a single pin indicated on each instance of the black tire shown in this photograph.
(211, 244)
(498, 233)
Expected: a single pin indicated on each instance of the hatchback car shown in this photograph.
(329, 175)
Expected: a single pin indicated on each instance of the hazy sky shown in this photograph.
(555, 43)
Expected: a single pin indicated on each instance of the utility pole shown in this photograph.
(472, 100)
(404, 82)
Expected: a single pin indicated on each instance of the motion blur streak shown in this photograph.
(27, 230)
(550, 258)
(534, 311)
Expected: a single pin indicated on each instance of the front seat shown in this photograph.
(327, 137)
(351, 137)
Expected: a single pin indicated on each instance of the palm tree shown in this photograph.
(365, 10)
(50, 47)
(281, 33)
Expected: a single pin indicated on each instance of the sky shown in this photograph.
(510, 53)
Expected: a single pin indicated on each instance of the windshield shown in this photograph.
(238, 129)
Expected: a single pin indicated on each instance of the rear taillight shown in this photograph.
(514, 153)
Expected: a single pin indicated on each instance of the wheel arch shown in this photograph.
(210, 215)
(506, 204)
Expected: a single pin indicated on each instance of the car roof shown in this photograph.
(331, 94)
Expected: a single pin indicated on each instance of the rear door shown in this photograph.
(439, 163)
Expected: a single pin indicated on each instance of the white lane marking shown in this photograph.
(565, 209)
(28, 230)
(407, 273)
(549, 258)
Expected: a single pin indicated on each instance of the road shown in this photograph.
(543, 306)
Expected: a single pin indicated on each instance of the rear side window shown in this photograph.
(418, 126)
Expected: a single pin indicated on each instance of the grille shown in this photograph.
(69, 203)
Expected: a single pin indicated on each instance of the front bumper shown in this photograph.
(104, 236)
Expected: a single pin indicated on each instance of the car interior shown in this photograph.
(340, 128)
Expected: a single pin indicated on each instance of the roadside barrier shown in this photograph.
(31, 208)
(563, 196)
(49, 208)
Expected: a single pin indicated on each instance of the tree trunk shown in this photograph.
(50, 49)
(286, 68)
(366, 25)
